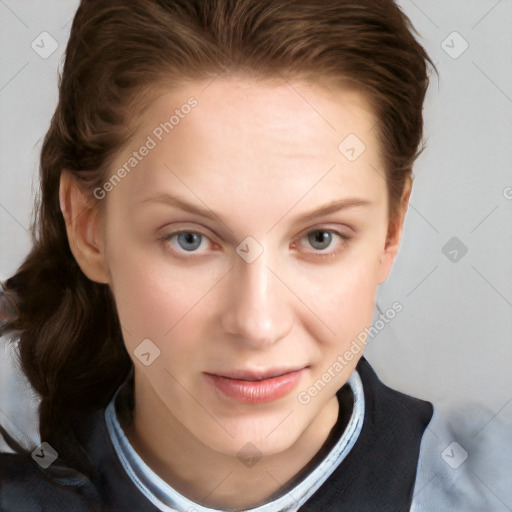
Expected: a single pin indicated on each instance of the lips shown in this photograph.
(252, 387)
(256, 375)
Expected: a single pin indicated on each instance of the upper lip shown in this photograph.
(255, 375)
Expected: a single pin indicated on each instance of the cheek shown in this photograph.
(151, 295)
(345, 288)
(343, 296)
(154, 299)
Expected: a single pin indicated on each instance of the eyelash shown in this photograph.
(317, 254)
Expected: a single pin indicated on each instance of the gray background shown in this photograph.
(452, 343)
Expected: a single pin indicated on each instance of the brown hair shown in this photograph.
(120, 54)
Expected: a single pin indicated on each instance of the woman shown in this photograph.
(196, 343)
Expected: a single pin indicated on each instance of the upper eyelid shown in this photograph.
(326, 225)
(322, 227)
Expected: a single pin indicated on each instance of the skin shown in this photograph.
(258, 156)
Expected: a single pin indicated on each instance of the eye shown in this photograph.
(183, 242)
(322, 238)
(188, 241)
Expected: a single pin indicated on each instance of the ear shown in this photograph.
(84, 229)
(394, 235)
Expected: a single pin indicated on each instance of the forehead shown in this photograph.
(262, 112)
(255, 139)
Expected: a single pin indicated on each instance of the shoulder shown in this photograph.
(25, 485)
(464, 461)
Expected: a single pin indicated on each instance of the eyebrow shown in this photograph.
(331, 207)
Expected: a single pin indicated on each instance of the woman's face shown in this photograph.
(215, 254)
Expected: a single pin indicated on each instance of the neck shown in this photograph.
(215, 479)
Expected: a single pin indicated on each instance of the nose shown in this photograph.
(258, 311)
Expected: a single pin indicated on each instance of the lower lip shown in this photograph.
(256, 392)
